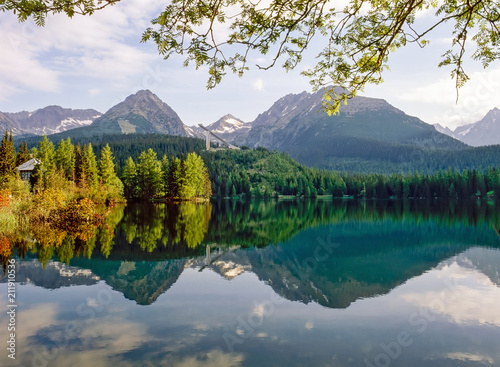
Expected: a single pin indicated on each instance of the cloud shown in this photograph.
(105, 46)
(258, 84)
(475, 99)
(478, 296)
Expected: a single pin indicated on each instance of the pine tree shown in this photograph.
(173, 178)
(7, 157)
(23, 155)
(129, 178)
(112, 186)
(41, 173)
(89, 167)
(149, 175)
(64, 158)
(78, 164)
(107, 166)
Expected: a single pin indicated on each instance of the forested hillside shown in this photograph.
(464, 173)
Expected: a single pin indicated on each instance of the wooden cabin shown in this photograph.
(27, 168)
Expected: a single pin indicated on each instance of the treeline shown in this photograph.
(177, 179)
(362, 155)
(124, 146)
(442, 184)
(63, 167)
(260, 173)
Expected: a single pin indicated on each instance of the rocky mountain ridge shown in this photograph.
(483, 132)
(47, 120)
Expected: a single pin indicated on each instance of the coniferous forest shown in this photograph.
(239, 173)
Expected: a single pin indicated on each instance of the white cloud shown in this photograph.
(104, 46)
(258, 84)
(478, 296)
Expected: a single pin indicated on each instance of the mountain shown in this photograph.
(230, 128)
(47, 120)
(484, 132)
(480, 133)
(6, 123)
(142, 112)
(366, 129)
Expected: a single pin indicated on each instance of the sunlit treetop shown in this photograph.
(358, 35)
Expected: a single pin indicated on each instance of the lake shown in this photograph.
(262, 283)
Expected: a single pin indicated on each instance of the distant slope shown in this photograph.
(141, 113)
(47, 120)
(483, 132)
(6, 123)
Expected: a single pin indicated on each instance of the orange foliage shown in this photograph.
(48, 236)
(78, 218)
(5, 247)
(5, 197)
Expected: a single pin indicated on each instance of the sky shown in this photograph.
(97, 61)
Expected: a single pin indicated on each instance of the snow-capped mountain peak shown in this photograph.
(228, 124)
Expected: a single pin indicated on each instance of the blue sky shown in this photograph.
(97, 61)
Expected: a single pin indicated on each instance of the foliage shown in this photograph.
(89, 174)
(78, 218)
(7, 157)
(65, 158)
(44, 202)
(45, 154)
(358, 36)
(111, 188)
(261, 173)
(442, 184)
(178, 179)
(149, 175)
(39, 10)
(23, 154)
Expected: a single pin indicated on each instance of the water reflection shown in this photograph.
(265, 283)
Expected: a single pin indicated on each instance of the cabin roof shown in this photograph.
(29, 165)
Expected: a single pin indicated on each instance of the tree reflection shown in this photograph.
(161, 231)
(174, 226)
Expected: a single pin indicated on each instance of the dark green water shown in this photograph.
(292, 283)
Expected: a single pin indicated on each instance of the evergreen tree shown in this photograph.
(23, 155)
(149, 175)
(64, 158)
(78, 164)
(7, 157)
(42, 171)
(129, 178)
(173, 178)
(107, 171)
(112, 185)
(89, 168)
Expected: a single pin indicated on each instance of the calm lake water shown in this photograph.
(289, 283)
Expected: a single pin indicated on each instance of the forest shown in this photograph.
(262, 173)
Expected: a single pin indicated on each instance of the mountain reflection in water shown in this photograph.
(327, 283)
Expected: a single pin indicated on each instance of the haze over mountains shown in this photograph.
(483, 132)
(367, 131)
